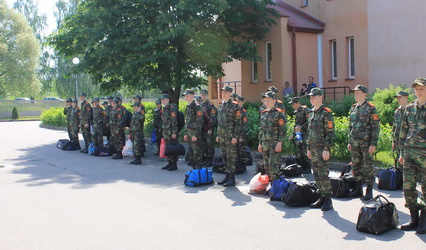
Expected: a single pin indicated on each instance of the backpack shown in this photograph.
(289, 160)
(71, 146)
(198, 177)
(180, 120)
(293, 170)
(390, 179)
(102, 151)
(60, 144)
(127, 117)
(301, 195)
(341, 186)
(207, 121)
(279, 188)
(260, 167)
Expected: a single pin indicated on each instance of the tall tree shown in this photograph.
(19, 54)
(161, 44)
(37, 21)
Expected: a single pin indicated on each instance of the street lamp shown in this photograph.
(76, 61)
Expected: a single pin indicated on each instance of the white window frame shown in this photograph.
(351, 58)
(305, 2)
(268, 62)
(254, 72)
(333, 48)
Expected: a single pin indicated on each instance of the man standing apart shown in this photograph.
(98, 124)
(320, 140)
(229, 129)
(85, 122)
(209, 135)
(136, 132)
(170, 129)
(74, 117)
(311, 84)
(364, 129)
(412, 141)
(194, 125)
(402, 98)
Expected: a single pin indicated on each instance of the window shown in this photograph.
(333, 48)
(268, 61)
(305, 3)
(351, 57)
(254, 76)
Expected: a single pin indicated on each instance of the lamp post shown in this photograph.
(76, 61)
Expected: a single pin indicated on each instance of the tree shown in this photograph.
(19, 54)
(161, 44)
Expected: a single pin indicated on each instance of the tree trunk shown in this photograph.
(174, 95)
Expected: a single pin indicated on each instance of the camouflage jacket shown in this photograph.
(244, 123)
(86, 113)
(98, 117)
(74, 116)
(157, 119)
(67, 112)
(229, 119)
(194, 119)
(116, 118)
(399, 112)
(413, 127)
(320, 129)
(138, 120)
(273, 126)
(279, 105)
(108, 110)
(169, 118)
(211, 110)
(364, 124)
(301, 119)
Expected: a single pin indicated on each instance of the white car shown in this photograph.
(52, 98)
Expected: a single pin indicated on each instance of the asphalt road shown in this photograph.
(53, 199)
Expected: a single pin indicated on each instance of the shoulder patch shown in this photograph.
(245, 119)
(199, 113)
(330, 124)
(142, 112)
(279, 101)
(173, 114)
(375, 117)
(279, 110)
(213, 111)
(281, 122)
(238, 113)
(327, 109)
(244, 110)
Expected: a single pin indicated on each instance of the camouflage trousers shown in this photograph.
(167, 140)
(229, 153)
(414, 166)
(117, 139)
(362, 162)
(301, 150)
(73, 133)
(397, 155)
(138, 142)
(321, 171)
(195, 153)
(208, 143)
(87, 136)
(98, 136)
(272, 159)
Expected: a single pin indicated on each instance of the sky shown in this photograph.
(46, 7)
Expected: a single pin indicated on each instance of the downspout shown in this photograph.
(294, 61)
(320, 80)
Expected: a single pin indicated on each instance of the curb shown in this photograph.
(53, 127)
(10, 120)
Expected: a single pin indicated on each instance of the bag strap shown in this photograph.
(344, 170)
(379, 198)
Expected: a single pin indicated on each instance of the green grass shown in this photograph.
(35, 118)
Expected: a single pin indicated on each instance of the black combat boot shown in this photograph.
(357, 192)
(224, 180)
(231, 181)
(173, 166)
(318, 203)
(368, 192)
(118, 156)
(306, 167)
(328, 204)
(209, 162)
(167, 166)
(414, 220)
(85, 150)
(137, 161)
(421, 228)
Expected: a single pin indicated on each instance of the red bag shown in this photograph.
(259, 183)
(162, 148)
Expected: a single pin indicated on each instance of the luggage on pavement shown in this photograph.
(390, 179)
(258, 183)
(174, 148)
(279, 188)
(198, 177)
(292, 170)
(299, 195)
(60, 144)
(71, 146)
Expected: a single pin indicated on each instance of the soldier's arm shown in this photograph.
(350, 127)
(173, 117)
(375, 126)
(213, 116)
(403, 131)
(282, 123)
(329, 131)
(237, 123)
(306, 113)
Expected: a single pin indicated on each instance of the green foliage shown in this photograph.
(340, 145)
(341, 107)
(54, 117)
(15, 114)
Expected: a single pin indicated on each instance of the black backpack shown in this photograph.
(301, 195)
(127, 117)
(180, 120)
(293, 170)
(390, 179)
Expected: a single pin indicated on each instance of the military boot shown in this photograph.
(167, 166)
(318, 203)
(224, 180)
(368, 192)
(421, 228)
(209, 162)
(328, 204)
(137, 161)
(414, 212)
(231, 181)
(357, 192)
(173, 166)
(118, 156)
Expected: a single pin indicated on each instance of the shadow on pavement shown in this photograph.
(290, 212)
(235, 195)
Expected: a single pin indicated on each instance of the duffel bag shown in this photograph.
(174, 148)
(293, 170)
(377, 216)
(390, 179)
(103, 151)
(301, 195)
(60, 144)
(198, 177)
(71, 146)
(338, 187)
(218, 164)
(260, 167)
(279, 188)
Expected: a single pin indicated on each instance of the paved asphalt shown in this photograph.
(53, 199)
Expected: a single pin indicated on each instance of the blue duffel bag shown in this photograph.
(279, 188)
(198, 177)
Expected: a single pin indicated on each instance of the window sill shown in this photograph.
(332, 80)
(268, 80)
(303, 6)
(254, 82)
(350, 79)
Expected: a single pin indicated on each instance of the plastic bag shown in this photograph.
(163, 148)
(258, 183)
(128, 148)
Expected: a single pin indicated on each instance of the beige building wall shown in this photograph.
(307, 58)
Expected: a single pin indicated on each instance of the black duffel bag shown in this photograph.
(301, 195)
(293, 170)
(377, 216)
(174, 148)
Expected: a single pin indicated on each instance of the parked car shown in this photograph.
(52, 98)
(23, 100)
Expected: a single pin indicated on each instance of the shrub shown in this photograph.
(340, 149)
(15, 114)
(54, 117)
(341, 107)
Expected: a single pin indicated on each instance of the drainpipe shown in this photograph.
(319, 40)
(294, 61)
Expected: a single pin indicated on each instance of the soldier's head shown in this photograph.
(165, 99)
(69, 101)
(360, 93)
(273, 89)
(226, 92)
(295, 102)
(136, 106)
(115, 102)
(311, 79)
(74, 103)
(402, 97)
(82, 97)
(158, 103)
(137, 98)
(240, 100)
(419, 86)
(198, 99)
(204, 94)
(188, 94)
(105, 104)
(110, 98)
(269, 99)
(95, 102)
(316, 97)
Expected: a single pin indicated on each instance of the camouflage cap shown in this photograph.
(227, 89)
(401, 93)
(273, 89)
(361, 88)
(83, 94)
(188, 92)
(269, 94)
(316, 92)
(234, 95)
(96, 99)
(137, 97)
(294, 100)
(75, 101)
(137, 104)
(69, 100)
(240, 98)
(105, 103)
(419, 81)
(204, 91)
(158, 101)
(165, 96)
(110, 97)
(116, 99)
(198, 98)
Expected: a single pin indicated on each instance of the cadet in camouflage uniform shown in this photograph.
(67, 112)
(320, 140)
(242, 142)
(98, 124)
(138, 98)
(74, 118)
(193, 132)
(158, 124)
(209, 136)
(412, 142)
(136, 132)
(85, 122)
(229, 129)
(273, 128)
(279, 104)
(301, 114)
(170, 129)
(402, 97)
(364, 129)
(116, 125)
(108, 109)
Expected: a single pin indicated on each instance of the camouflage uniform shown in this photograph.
(278, 105)
(98, 126)
(273, 128)
(170, 126)
(136, 132)
(67, 112)
(116, 122)
(74, 120)
(86, 118)
(209, 139)
(301, 119)
(364, 129)
(229, 119)
(399, 112)
(242, 146)
(107, 129)
(320, 138)
(194, 125)
(157, 123)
